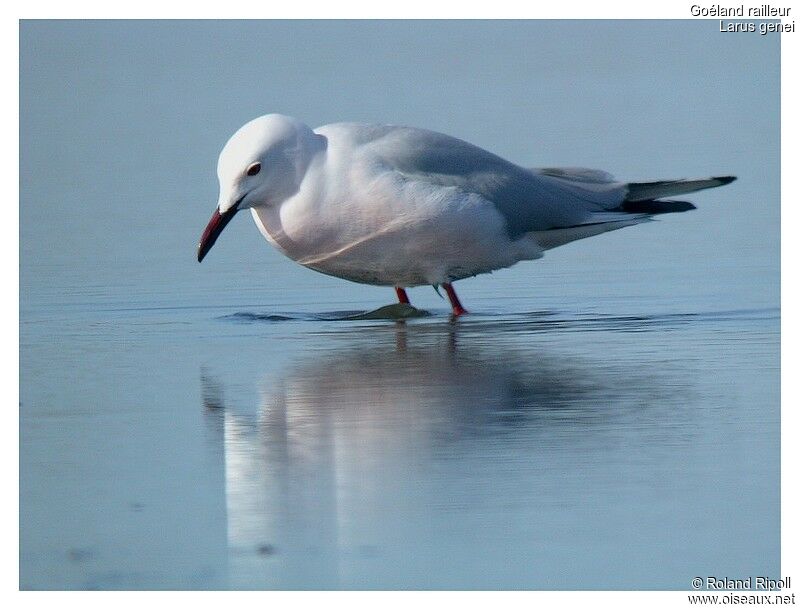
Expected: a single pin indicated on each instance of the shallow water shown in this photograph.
(605, 418)
(546, 450)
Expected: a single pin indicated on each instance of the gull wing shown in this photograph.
(530, 200)
(527, 201)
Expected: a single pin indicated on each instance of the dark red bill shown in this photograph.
(215, 226)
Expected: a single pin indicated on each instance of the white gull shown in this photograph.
(400, 206)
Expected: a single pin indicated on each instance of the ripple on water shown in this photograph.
(535, 321)
(397, 311)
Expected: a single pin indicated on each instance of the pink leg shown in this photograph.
(401, 295)
(458, 309)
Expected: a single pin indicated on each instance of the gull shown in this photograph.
(399, 206)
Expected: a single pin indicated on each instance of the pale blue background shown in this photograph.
(607, 418)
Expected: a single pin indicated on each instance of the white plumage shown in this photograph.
(400, 206)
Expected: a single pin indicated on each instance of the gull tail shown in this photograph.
(631, 197)
(648, 191)
(643, 197)
(640, 204)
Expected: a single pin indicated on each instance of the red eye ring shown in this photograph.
(254, 169)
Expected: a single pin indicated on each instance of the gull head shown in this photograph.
(262, 165)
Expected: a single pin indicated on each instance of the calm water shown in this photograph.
(607, 418)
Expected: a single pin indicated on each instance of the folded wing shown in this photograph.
(530, 200)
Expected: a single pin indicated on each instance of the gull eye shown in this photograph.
(254, 169)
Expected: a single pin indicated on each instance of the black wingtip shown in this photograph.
(723, 180)
(657, 207)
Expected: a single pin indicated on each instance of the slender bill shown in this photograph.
(215, 226)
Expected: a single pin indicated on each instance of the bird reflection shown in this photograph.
(351, 453)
